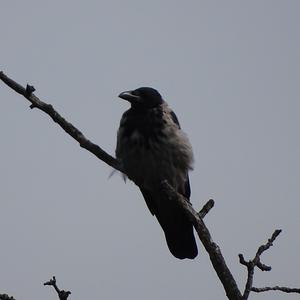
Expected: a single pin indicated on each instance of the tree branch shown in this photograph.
(63, 123)
(210, 246)
(63, 295)
(275, 288)
(216, 257)
(206, 208)
(255, 262)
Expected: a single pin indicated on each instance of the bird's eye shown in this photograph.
(134, 93)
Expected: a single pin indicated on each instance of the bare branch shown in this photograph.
(265, 247)
(206, 208)
(255, 262)
(63, 295)
(211, 247)
(64, 124)
(276, 288)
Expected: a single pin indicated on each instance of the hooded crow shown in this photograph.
(152, 147)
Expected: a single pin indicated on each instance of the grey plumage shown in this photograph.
(152, 147)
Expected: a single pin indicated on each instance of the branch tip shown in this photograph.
(242, 260)
(276, 288)
(52, 281)
(206, 208)
(263, 267)
(276, 234)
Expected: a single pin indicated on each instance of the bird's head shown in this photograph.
(143, 97)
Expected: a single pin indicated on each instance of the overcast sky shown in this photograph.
(229, 69)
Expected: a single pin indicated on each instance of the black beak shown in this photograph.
(130, 97)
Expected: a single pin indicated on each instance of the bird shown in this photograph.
(152, 147)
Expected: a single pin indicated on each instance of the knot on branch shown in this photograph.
(29, 90)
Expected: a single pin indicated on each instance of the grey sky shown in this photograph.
(230, 70)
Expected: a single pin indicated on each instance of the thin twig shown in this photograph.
(275, 288)
(255, 262)
(206, 208)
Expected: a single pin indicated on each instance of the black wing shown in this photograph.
(187, 187)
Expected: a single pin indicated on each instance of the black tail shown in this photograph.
(175, 224)
(178, 230)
